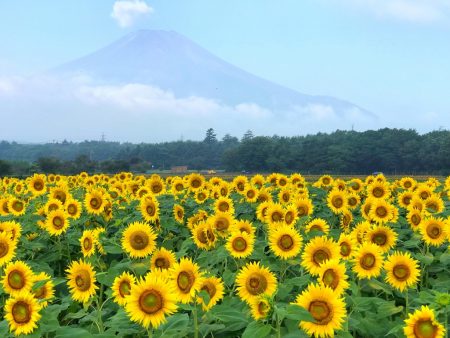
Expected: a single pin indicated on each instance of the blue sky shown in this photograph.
(388, 56)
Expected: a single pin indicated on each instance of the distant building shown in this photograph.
(179, 169)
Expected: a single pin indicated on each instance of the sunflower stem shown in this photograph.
(194, 313)
(150, 333)
(406, 302)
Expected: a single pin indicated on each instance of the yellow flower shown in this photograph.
(383, 236)
(304, 207)
(56, 222)
(73, 208)
(37, 184)
(7, 248)
(186, 280)
(162, 259)
(254, 280)
(378, 190)
(214, 287)
(240, 244)
(222, 222)
(381, 211)
(46, 292)
(317, 251)
(401, 270)
(260, 307)
(150, 301)
(347, 244)
(88, 241)
(18, 277)
(81, 281)
(22, 313)
(121, 287)
(327, 309)
(95, 202)
(337, 201)
(368, 261)
(434, 231)
(318, 224)
(332, 274)
(285, 242)
(178, 213)
(149, 208)
(423, 324)
(16, 206)
(138, 240)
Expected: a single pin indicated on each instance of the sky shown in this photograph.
(389, 56)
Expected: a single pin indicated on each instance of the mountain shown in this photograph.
(171, 62)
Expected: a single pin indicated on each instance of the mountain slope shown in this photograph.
(172, 62)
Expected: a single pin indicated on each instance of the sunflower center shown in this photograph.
(352, 201)
(316, 227)
(139, 240)
(185, 281)
(150, 210)
(223, 206)
(21, 312)
(240, 186)
(58, 222)
(124, 288)
(381, 211)
(415, 219)
(263, 308)
(210, 235)
(320, 256)
(156, 188)
(239, 244)
(83, 280)
(302, 210)
(18, 206)
(345, 249)
(195, 183)
(179, 214)
(40, 292)
(379, 239)
(151, 301)
(201, 196)
(434, 231)
(285, 242)
(210, 288)
(72, 209)
(276, 216)
(401, 272)
(16, 279)
(407, 200)
(425, 329)
(378, 192)
(367, 261)
(330, 278)
(87, 244)
(286, 197)
(338, 202)
(250, 194)
(321, 312)
(4, 248)
(222, 224)
(38, 185)
(424, 195)
(289, 217)
(407, 184)
(162, 263)
(201, 236)
(256, 284)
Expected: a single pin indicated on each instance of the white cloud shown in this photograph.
(126, 12)
(419, 11)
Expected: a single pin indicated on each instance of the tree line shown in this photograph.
(391, 151)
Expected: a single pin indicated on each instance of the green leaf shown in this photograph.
(426, 259)
(257, 329)
(72, 332)
(299, 313)
(113, 249)
(445, 258)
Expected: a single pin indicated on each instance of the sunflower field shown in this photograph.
(263, 256)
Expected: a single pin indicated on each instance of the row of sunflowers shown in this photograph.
(267, 256)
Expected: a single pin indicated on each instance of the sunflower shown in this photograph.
(353, 200)
(56, 222)
(178, 213)
(264, 195)
(285, 242)
(7, 248)
(408, 183)
(254, 280)
(381, 211)
(162, 259)
(195, 181)
(73, 208)
(18, 277)
(16, 206)
(37, 184)
(333, 275)
(416, 203)
(423, 191)
(423, 324)
(201, 195)
(95, 202)
(45, 292)
(60, 192)
(156, 185)
(261, 210)
(222, 222)
(414, 218)
(88, 241)
(258, 180)
(150, 301)
(337, 201)
(356, 185)
(12, 228)
(404, 198)
(368, 261)
(201, 215)
(149, 208)
(327, 309)
(359, 232)
(317, 251)
(224, 204)
(285, 195)
(121, 287)
(199, 236)
(215, 289)
(22, 313)
(325, 181)
(239, 183)
(81, 280)
(434, 204)
(347, 244)
(434, 231)
(378, 190)
(240, 244)
(250, 193)
(274, 214)
(4, 210)
(401, 270)
(186, 280)
(383, 236)
(138, 240)
(243, 226)
(291, 214)
(318, 224)
(53, 204)
(260, 307)
(304, 207)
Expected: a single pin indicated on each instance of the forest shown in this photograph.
(391, 151)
